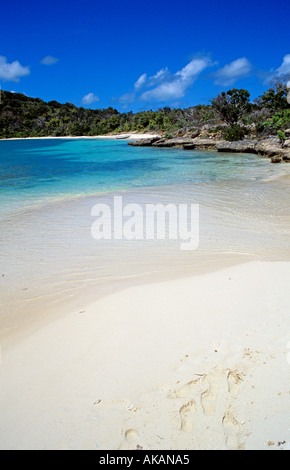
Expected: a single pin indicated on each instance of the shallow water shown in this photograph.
(48, 189)
(35, 171)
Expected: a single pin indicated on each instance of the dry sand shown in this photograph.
(193, 363)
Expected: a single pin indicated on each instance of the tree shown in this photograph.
(114, 122)
(276, 97)
(232, 105)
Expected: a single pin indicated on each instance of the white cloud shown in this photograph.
(12, 72)
(160, 74)
(192, 70)
(159, 77)
(165, 92)
(141, 81)
(230, 73)
(49, 60)
(285, 66)
(284, 69)
(164, 86)
(175, 86)
(89, 99)
(152, 81)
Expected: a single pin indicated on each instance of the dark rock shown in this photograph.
(209, 144)
(180, 133)
(276, 159)
(192, 133)
(176, 142)
(189, 146)
(195, 134)
(147, 142)
(269, 147)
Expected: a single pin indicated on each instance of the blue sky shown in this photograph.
(136, 55)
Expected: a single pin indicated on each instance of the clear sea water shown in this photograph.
(49, 186)
(35, 171)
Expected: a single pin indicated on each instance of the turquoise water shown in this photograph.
(34, 171)
(48, 188)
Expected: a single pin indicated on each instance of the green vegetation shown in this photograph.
(282, 138)
(279, 121)
(276, 97)
(230, 115)
(233, 133)
(232, 105)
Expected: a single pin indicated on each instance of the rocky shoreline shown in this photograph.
(269, 147)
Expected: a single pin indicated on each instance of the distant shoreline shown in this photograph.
(110, 136)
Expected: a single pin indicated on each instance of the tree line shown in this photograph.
(232, 111)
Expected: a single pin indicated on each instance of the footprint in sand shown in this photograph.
(234, 381)
(186, 390)
(209, 395)
(186, 414)
(130, 441)
(208, 401)
(232, 431)
(210, 386)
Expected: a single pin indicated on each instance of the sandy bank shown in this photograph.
(193, 363)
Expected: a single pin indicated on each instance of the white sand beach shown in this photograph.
(192, 363)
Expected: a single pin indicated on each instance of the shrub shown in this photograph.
(260, 127)
(233, 133)
(278, 122)
(282, 137)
